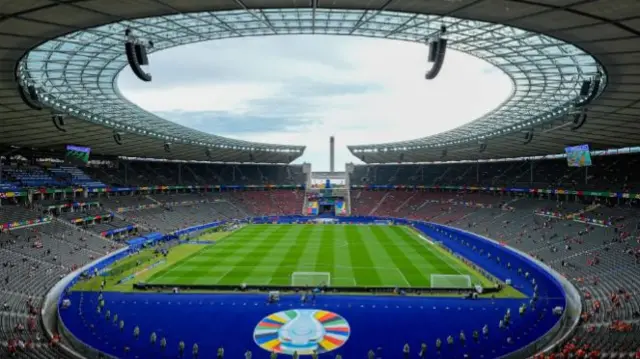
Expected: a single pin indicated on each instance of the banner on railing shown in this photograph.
(92, 218)
(74, 204)
(29, 222)
(508, 189)
(4, 195)
(156, 205)
(118, 230)
(578, 217)
(171, 188)
(594, 221)
(134, 208)
(557, 191)
(552, 214)
(50, 190)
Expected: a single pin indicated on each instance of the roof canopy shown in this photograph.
(75, 69)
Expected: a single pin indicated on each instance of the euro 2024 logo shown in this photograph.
(303, 331)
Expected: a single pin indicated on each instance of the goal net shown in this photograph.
(452, 281)
(311, 279)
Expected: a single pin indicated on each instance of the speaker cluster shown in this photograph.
(29, 96)
(437, 50)
(137, 55)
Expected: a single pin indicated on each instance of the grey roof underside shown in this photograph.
(606, 29)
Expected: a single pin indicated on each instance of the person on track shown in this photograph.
(406, 351)
(423, 350)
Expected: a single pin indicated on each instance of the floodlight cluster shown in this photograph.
(76, 73)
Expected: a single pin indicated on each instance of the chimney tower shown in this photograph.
(332, 145)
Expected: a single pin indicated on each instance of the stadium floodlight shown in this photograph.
(310, 279)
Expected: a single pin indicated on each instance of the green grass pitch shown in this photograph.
(354, 255)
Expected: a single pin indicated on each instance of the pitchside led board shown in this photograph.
(77, 156)
(578, 156)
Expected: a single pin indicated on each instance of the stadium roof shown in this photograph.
(77, 72)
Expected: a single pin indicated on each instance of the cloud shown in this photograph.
(300, 90)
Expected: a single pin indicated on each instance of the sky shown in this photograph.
(302, 89)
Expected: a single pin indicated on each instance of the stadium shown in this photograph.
(127, 235)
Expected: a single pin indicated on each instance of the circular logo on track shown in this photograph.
(303, 331)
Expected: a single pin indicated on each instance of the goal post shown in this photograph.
(451, 281)
(310, 279)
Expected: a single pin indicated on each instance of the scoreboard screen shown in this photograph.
(76, 155)
(578, 156)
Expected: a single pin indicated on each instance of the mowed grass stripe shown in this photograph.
(242, 268)
(360, 255)
(342, 274)
(454, 263)
(166, 271)
(200, 268)
(266, 267)
(324, 257)
(410, 272)
(307, 259)
(426, 266)
(388, 271)
(361, 262)
(292, 256)
(236, 268)
(436, 259)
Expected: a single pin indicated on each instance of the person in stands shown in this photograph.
(220, 354)
(405, 351)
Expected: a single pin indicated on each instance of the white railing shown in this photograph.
(51, 317)
(567, 323)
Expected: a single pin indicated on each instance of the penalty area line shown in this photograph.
(345, 244)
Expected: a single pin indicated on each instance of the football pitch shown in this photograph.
(342, 255)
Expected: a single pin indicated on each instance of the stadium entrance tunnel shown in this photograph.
(121, 324)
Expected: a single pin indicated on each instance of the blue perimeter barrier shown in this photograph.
(456, 240)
